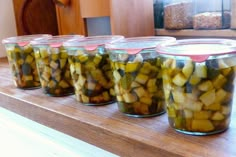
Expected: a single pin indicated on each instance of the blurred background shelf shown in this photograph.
(227, 33)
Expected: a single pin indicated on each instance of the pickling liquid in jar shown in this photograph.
(53, 66)
(198, 81)
(90, 69)
(137, 75)
(22, 61)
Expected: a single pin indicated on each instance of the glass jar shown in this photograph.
(22, 60)
(212, 14)
(178, 14)
(137, 76)
(52, 64)
(198, 81)
(91, 70)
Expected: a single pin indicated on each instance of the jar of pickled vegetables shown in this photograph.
(91, 70)
(52, 64)
(198, 81)
(22, 60)
(137, 76)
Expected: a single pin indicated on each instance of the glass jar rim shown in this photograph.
(199, 49)
(92, 42)
(24, 39)
(135, 45)
(56, 41)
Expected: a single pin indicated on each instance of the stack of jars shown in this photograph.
(192, 79)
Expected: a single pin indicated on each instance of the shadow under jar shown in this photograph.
(137, 75)
(91, 70)
(52, 64)
(21, 59)
(198, 80)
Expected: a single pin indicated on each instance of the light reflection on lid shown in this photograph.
(198, 49)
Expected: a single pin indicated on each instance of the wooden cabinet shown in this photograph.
(35, 17)
(129, 18)
(69, 19)
(92, 8)
(132, 17)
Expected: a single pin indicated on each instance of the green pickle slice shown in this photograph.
(138, 86)
(54, 71)
(23, 66)
(92, 78)
(198, 95)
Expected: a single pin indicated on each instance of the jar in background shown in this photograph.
(137, 76)
(178, 14)
(198, 81)
(52, 64)
(91, 70)
(212, 14)
(22, 60)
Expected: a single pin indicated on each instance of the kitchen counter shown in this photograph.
(107, 128)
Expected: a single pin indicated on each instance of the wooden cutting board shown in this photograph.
(35, 17)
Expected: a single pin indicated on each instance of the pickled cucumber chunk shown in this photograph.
(54, 70)
(198, 96)
(138, 86)
(93, 78)
(23, 66)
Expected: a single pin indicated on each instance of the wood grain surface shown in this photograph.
(109, 129)
(132, 18)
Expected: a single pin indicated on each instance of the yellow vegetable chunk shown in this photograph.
(29, 59)
(202, 115)
(188, 68)
(132, 67)
(202, 125)
(218, 116)
(201, 71)
(140, 91)
(194, 80)
(205, 86)
(178, 96)
(219, 81)
(141, 78)
(63, 63)
(188, 114)
(179, 80)
(97, 59)
(129, 98)
(53, 64)
(208, 97)
(63, 84)
(146, 100)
